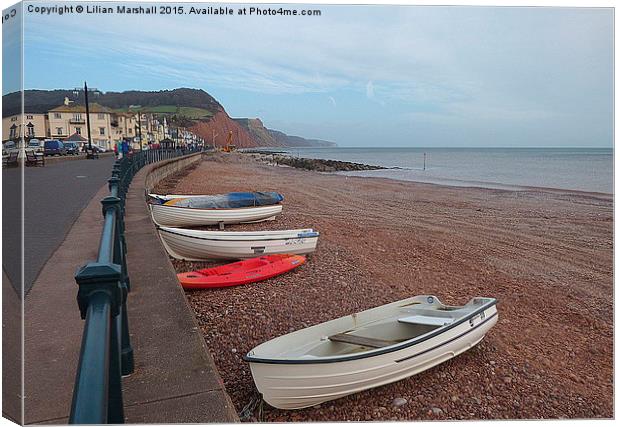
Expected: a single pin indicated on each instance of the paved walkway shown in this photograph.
(171, 355)
(11, 352)
(54, 196)
(175, 380)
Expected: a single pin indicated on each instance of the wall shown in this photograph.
(168, 167)
(39, 122)
(69, 128)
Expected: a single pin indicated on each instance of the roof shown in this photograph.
(76, 137)
(125, 114)
(75, 108)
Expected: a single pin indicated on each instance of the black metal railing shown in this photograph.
(106, 353)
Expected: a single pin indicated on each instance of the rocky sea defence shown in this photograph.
(319, 165)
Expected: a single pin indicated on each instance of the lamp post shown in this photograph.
(90, 154)
(140, 128)
(90, 141)
(214, 136)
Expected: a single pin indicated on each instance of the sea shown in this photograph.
(579, 169)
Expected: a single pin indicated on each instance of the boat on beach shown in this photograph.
(366, 349)
(176, 216)
(241, 272)
(242, 199)
(198, 245)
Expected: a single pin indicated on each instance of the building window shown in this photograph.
(130, 131)
(100, 116)
(30, 130)
(29, 117)
(57, 115)
(12, 132)
(78, 131)
(77, 116)
(58, 131)
(101, 131)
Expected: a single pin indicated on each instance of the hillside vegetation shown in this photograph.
(193, 113)
(183, 107)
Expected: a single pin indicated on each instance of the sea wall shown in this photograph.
(165, 168)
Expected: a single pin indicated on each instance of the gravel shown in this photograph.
(546, 256)
(398, 402)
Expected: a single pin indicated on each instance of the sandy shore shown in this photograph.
(546, 256)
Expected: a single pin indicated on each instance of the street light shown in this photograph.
(138, 127)
(90, 154)
(214, 136)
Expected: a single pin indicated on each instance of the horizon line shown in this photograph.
(448, 146)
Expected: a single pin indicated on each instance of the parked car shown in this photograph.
(72, 148)
(54, 147)
(96, 148)
(35, 145)
(8, 147)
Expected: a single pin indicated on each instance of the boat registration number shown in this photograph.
(294, 241)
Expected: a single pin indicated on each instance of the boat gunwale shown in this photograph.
(216, 209)
(382, 350)
(250, 239)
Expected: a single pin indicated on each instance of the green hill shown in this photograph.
(188, 103)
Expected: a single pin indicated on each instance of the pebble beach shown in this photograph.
(547, 256)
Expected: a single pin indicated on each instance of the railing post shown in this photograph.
(97, 396)
(113, 185)
(119, 258)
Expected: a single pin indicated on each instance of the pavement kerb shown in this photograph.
(175, 378)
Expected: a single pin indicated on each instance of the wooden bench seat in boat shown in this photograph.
(426, 320)
(363, 341)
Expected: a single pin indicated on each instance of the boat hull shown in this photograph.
(241, 273)
(300, 385)
(172, 216)
(194, 245)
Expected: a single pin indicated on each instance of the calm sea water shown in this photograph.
(583, 169)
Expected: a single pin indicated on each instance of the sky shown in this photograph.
(357, 75)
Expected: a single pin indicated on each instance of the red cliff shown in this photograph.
(220, 125)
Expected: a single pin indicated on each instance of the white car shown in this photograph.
(35, 144)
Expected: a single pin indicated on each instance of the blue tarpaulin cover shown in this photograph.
(228, 201)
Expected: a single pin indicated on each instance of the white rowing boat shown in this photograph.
(173, 216)
(367, 349)
(236, 199)
(166, 197)
(198, 245)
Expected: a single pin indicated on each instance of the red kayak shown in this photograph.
(242, 272)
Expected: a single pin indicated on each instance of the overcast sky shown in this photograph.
(359, 76)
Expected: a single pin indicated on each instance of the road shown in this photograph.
(54, 196)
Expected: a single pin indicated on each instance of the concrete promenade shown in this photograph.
(175, 380)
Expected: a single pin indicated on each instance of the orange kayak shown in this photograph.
(242, 272)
